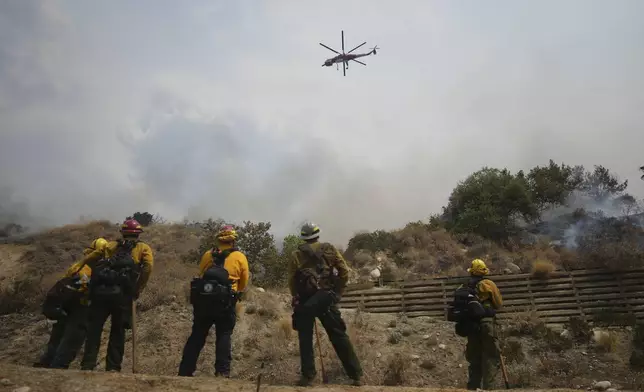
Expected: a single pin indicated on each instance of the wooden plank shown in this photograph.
(359, 286)
(500, 278)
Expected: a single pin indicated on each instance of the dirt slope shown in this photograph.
(13, 377)
(394, 350)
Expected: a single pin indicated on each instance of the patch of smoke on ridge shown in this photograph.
(16, 217)
(568, 223)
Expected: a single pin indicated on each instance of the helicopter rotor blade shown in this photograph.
(357, 61)
(344, 68)
(342, 41)
(357, 47)
(333, 50)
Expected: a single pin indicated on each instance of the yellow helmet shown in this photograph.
(99, 244)
(478, 268)
(227, 234)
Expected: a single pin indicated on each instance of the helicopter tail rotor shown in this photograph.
(373, 50)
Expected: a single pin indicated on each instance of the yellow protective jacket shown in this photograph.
(236, 264)
(141, 253)
(299, 260)
(488, 294)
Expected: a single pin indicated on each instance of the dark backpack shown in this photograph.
(466, 306)
(307, 280)
(115, 278)
(63, 296)
(214, 290)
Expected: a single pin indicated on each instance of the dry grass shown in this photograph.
(606, 341)
(397, 368)
(542, 269)
(513, 350)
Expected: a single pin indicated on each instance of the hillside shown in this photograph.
(394, 350)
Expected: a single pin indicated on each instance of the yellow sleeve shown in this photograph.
(75, 268)
(292, 268)
(147, 262)
(487, 290)
(93, 257)
(243, 272)
(343, 271)
(206, 262)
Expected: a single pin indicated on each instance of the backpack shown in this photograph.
(214, 290)
(308, 281)
(63, 296)
(115, 278)
(466, 306)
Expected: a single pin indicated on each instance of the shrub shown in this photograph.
(397, 367)
(541, 269)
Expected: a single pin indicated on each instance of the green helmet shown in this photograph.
(309, 231)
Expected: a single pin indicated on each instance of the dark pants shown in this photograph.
(119, 311)
(336, 330)
(482, 353)
(67, 337)
(224, 323)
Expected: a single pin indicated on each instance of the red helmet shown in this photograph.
(131, 227)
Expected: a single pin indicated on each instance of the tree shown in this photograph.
(144, 218)
(379, 240)
(601, 184)
(551, 185)
(290, 243)
(490, 203)
(615, 243)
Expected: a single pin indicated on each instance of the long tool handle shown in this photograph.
(325, 379)
(259, 376)
(134, 367)
(504, 370)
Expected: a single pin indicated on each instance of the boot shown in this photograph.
(305, 382)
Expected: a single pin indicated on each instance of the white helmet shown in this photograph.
(309, 231)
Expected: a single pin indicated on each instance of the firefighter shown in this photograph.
(118, 278)
(317, 277)
(482, 350)
(223, 276)
(69, 308)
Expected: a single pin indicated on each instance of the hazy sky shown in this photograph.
(221, 108)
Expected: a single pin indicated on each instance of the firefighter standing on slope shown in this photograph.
(223, 276)
(68, 333)
(317, 278)
(118, 278)
(482, 350)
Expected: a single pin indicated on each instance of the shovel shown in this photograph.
(134, 367)
(325, 378)
(504, 370)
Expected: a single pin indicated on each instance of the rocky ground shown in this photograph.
(394, 350)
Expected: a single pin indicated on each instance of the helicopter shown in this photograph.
(344, 58)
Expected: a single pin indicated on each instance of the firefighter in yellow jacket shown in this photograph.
(69, 309)
(223, 276)
(119, 276)
(482, 350)
(317, 278)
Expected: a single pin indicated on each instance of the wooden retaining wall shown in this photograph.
(590, 294)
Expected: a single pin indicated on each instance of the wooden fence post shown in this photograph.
(444, 299)
(576, 294)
